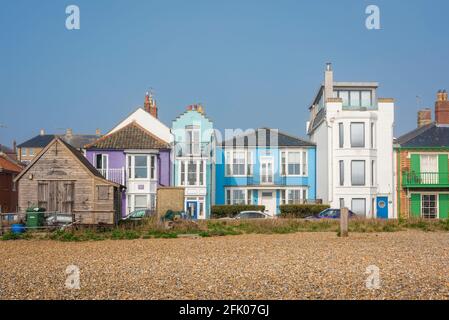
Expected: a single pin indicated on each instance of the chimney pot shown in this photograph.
(98, 132)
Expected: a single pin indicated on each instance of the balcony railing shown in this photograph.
(203, 150)
(266, 181)
(114, 175)
(425, 179)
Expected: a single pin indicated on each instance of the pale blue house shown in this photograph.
(193, 152)
(265, 167)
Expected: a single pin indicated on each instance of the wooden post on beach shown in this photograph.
(344, 217)
(1, 224)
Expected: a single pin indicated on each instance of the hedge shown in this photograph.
(301, 210)
(232, 210)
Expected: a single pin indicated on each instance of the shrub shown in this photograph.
(230, 211)
(301, 210)
(15, 236)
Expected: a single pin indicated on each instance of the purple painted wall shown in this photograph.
(117, 160)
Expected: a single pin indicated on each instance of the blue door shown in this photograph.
(382, 208)
(192, 209)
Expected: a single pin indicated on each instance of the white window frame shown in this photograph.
(437, 204)
(229, 198)
(303, 161)
(192, 143)
(130, 167)
(285, 199)
(185, 164)
(248, 162)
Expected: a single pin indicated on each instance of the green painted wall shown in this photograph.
(416, 205)
(443, 168)
(444, 206)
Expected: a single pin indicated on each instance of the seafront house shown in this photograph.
(422, 167)
(27, 150)
(9, 169)
(265, 167)
(193, 165)
(353, 131)
(61, 180)
(135, 154)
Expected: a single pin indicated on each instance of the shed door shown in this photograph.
(56, 196)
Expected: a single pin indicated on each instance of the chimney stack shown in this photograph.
(442, 108)
(14, 146)
(424, 117)
(69, 133)
(150, 104)
(42, 132)
(328, 82)
(98, 132)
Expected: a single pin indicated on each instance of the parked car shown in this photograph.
(139, 214)
(330, 214)
(252, 215)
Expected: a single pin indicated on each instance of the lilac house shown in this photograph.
(135, 158)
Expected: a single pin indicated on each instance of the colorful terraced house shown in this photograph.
(136, 154)
(265, 167)
(193, 165)
(422, 167)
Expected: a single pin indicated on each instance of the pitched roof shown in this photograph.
(77, 154)
(8, 164)
(76, 140)
(266, 137)
(132, 136)
(431, 135)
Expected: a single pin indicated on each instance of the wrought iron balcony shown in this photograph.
(425, 179)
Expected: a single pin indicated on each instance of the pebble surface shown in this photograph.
(412, 265)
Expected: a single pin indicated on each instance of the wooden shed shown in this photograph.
(61, 180)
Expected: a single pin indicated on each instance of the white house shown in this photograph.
(353, 131)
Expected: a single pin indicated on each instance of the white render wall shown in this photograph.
(326, 136)
(147, 121)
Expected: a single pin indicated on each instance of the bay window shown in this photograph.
(358, 172)
(142, 166)
(293, 163)
(357, 135)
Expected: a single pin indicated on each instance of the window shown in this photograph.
(283, 199)
(357, 135)
(342, 172)
(358, 172)
(103, 192)
(238, 164)
(365, 99)
(344, 95)
(31, 152)
(249, 197)
(354, 97)
(238, 196)
(191, 173)
(294, 196)
(294, 163)
(429, 206)
(152, 167)
(228, 197)
(341, 137)
(429, 169)
(228, 164)
(249, 163)
(283, 163)
(101, 163)
(359, 206)
(140, 202)
(192, 141)
(24, 151)
(372, 135)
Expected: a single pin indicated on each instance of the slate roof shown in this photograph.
(432, 135)
(132, 136)
(76, 140)
(267, 139)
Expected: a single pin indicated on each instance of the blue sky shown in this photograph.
(251, 63)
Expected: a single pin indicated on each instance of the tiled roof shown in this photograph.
(132, 136)
(432, 135)
(8, 164)
(76, 140)
(267, 137)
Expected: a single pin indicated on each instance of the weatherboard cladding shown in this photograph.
(132, 136)
(429, 136)
(266, 137)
